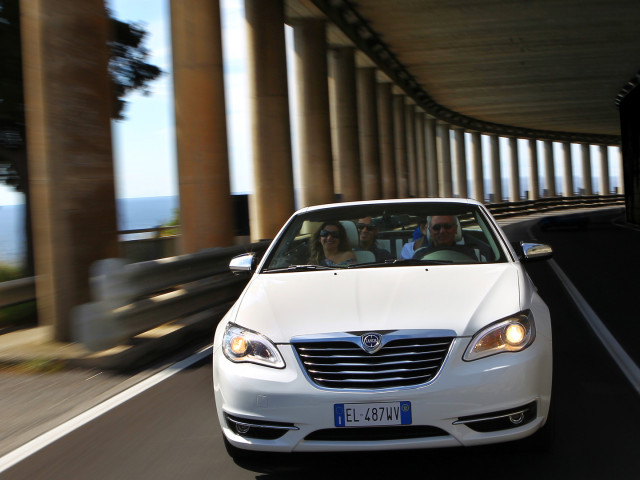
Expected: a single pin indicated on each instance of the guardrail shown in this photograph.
(525, 207)
(128, 298)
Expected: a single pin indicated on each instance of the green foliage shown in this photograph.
(16, 315)
(128, 72)
(174, 222)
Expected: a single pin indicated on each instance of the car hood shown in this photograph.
(461, 298)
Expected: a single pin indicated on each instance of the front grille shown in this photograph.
(372, 434)
(400, 363)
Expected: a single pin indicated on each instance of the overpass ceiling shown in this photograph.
(553, 66)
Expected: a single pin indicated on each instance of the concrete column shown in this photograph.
(443, 147)
(477, 181)
(432, 156)
(621, 173)
(421, 160)
(273, 199)
(368, 122)
(344, 123)
(386, 141)
(604, 170)
(399, 134)
(534, 180)
(410, 130)
(587, 184)
(567, 178)
(496, 174)
(313, 112)
(206, 211)
(67, 105)
(549, 169)
(460, 159)
(514, 170)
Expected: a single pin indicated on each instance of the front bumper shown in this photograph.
(502, 384)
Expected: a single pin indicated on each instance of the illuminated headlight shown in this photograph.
(242, 345)
(511, 334)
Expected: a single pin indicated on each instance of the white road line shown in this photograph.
(38, 443)
(624, 361)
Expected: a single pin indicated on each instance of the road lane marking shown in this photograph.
(624, 361)
(19, 454)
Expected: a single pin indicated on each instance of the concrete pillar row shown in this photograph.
(273, 200)
(399, 134)
(587, 184)
(460, 163)
(314, 136)
(496, 173)
(534, 179)
(206, 212)
(344, 123)
(71, 180)
(514, 170)
(567, 177)
(432, 156)
(421, 159)
(443, 147)
(477, 179)
(410, 139)
(604, 170)
(368, 123)
(386, 141)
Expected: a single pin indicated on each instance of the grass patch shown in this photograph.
(21, 315)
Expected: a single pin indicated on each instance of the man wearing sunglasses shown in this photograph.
(367, 231)
(443, 230)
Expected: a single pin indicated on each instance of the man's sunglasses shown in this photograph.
(438, 226)
(333, 233)
(362, 226)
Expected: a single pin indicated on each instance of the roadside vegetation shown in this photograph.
(16, 316)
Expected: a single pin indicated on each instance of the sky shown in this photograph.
(144, 144)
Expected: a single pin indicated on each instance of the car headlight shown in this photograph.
(242, 345)
(511, 334)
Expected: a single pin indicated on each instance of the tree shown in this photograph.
(128, 71)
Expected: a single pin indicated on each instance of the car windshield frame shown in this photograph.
(396, 222)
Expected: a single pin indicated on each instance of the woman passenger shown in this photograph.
(330, 246)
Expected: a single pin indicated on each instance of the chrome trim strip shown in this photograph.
(253, 425)
(496, 417)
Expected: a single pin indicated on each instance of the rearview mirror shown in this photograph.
(535, 251)
(243, 264)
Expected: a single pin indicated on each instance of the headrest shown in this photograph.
(352, 233)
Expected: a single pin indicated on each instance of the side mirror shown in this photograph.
(243, 264)
(535, 251)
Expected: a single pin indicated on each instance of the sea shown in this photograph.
(133, 214)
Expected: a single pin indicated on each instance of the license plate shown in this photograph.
(372, 414)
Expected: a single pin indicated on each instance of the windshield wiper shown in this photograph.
(297, 268)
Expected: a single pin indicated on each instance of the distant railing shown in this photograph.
(163, 270)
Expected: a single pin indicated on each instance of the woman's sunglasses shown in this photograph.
(326, 233)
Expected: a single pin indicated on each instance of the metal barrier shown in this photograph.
(17, 291)
(131, 298)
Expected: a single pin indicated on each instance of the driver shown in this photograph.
(443, 231)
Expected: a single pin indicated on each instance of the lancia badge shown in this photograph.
(371, 342)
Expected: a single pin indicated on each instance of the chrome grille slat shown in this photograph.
(344, 364)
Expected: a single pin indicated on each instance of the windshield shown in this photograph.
(386, 234)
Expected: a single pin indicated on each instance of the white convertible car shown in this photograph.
(342, 341)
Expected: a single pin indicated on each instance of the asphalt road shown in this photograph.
(170, 431)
